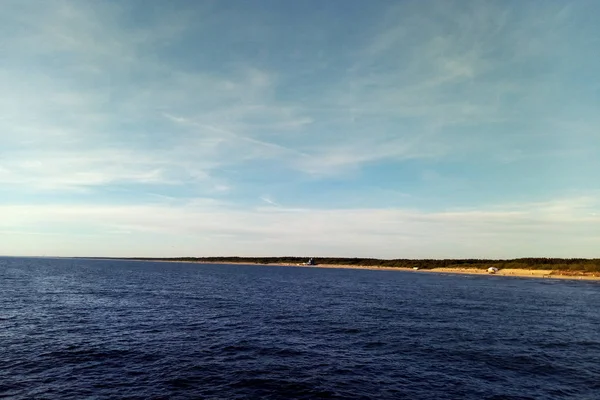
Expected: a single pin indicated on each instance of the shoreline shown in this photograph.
(507, 272)
(511, 272)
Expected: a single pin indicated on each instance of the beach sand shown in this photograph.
(516, 272)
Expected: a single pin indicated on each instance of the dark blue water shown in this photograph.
(77, 329)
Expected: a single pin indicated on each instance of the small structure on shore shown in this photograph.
(492, 270)
(311, 261)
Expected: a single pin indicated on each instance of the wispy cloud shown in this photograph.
(419, 78)
(458, 76)
(270, 201)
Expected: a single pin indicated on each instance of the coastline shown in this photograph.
(507, 272)
(514, 272)
(511, 272)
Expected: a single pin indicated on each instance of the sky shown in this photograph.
(350, 128)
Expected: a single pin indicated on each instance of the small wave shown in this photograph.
(288, 389)
(249, 334)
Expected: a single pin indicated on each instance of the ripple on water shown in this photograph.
(77, 329)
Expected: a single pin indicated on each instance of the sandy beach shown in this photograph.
(515, 272)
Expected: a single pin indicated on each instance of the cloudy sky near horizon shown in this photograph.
(392, 129)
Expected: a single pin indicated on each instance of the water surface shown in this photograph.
(77, 329)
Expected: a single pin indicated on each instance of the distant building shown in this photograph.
(311, 261)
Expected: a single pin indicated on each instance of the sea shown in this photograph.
(110, 329)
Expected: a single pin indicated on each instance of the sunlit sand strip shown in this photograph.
(516, 272)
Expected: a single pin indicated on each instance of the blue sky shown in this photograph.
(393, 129)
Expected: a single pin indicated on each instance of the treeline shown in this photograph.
(558, 264)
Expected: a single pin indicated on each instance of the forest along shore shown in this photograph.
(572, 268)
